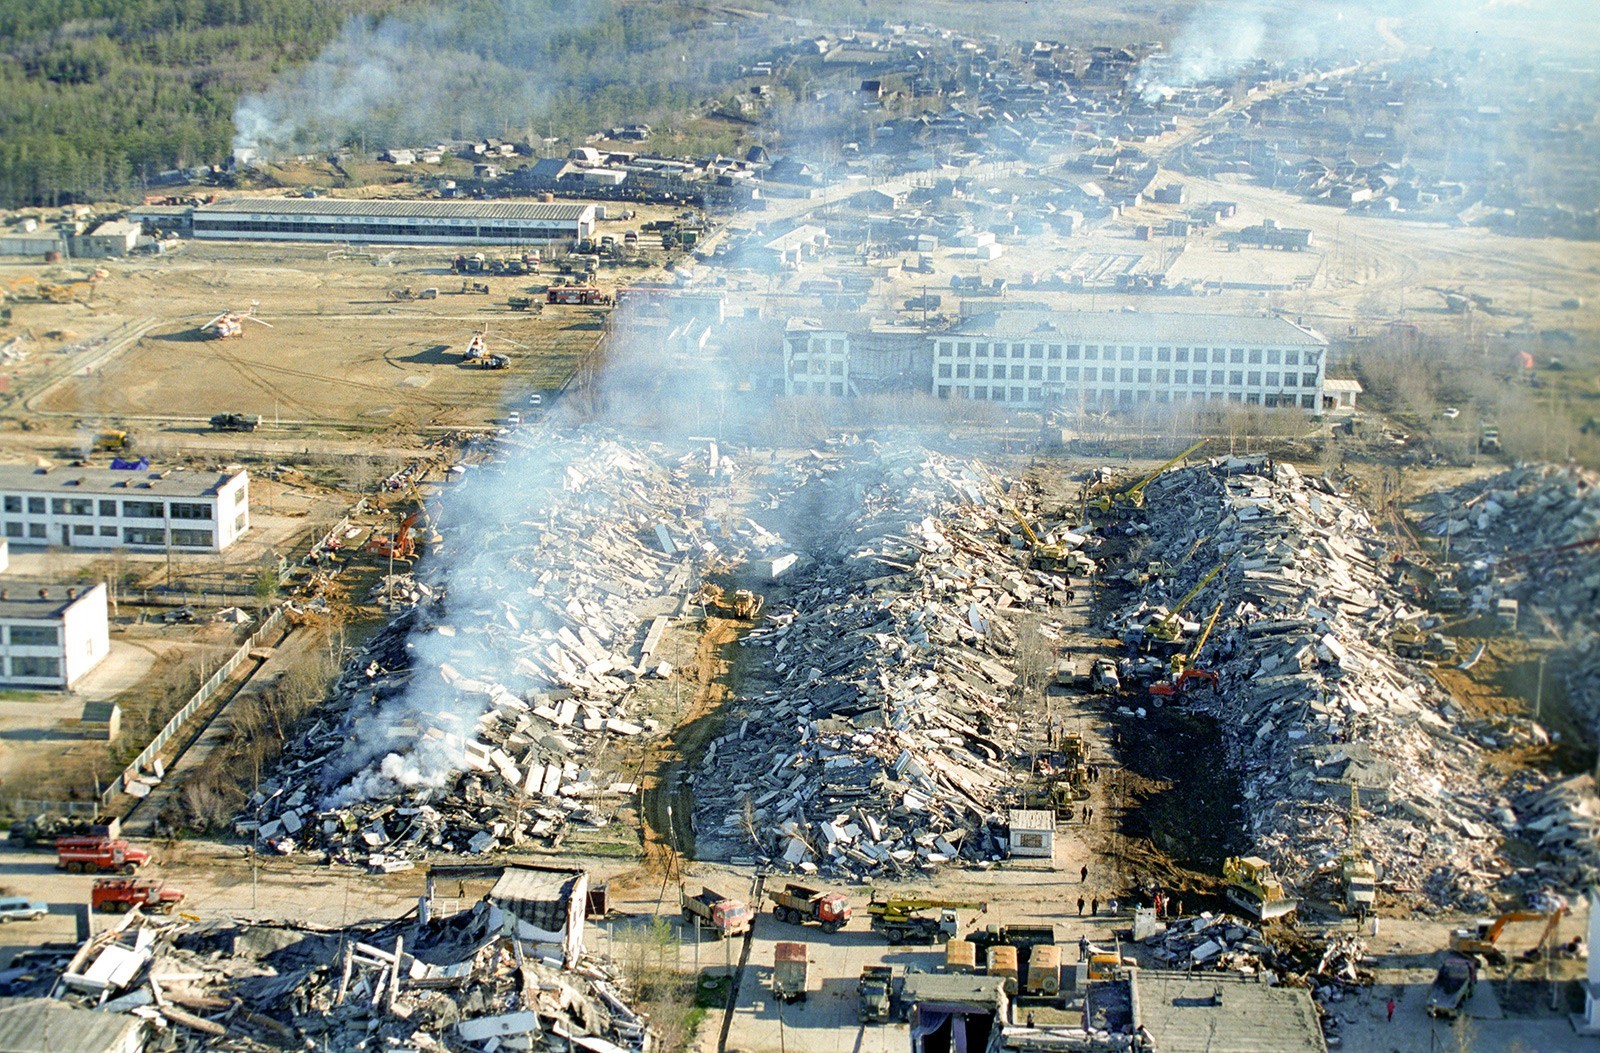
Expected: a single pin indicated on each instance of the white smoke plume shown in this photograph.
(454, 71)
(462, 654)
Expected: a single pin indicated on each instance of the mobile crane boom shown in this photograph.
(900, 918)
(1044, 556)
(1133, 496)
(1170, 626)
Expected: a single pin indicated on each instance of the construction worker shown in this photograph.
(1080, 906)
(1094, 906)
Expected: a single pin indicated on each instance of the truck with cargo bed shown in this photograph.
(724, 915)
(789, 971)
(798, 904)
(1452, 986)
(873, 993)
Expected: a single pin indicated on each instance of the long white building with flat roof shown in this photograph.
(104, 508)
(393, 222)
(1116, 361)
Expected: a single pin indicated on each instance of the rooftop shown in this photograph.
(986, 992)
(1138, 326)
(48, 1026)
(1032, 819)
(79, 481)
(1222, 1013)
(38, 601)
(322, 206)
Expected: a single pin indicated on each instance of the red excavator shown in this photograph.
(399, 545)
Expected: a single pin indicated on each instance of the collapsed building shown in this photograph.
(1311, 700)
(475, 979)
(1531, 535)
(482, 718)
(882, 739)
(474, 720)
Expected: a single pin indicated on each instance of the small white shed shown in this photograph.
(1033, 833)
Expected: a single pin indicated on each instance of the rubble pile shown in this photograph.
(1209, 941)
(1521, 534)
(473, 720)
(881, 743)
(1562, 818)
(1310, 699)
(453, 982)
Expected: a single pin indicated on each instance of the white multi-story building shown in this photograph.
(51, 635)
(1116, 361)
(816, 358)
(850, 356)
(106, 508)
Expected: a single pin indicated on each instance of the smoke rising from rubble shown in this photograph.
(411, 743)
(1223, 39)
(413, 77)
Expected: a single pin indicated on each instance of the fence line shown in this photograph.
(25, 806)
(199, 698)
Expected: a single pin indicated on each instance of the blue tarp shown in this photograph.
(130, 466)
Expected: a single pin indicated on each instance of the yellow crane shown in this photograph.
(1170, 626)
(1184, 671)
(900, 918)
(1133, 497)
(1043, 555)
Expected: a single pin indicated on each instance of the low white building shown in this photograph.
(1033, 833)
(1338, 393)
(51, 635)
(394, 222)
(105, 508)
(544, 906)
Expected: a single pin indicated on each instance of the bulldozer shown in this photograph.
(1255, 889)
(742, 603)
(1410, 642)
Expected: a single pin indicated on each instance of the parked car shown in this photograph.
(16, 908)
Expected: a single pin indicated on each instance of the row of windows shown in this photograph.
(1090, 374)
(32, 666)
(130, 535)
(1255, 356)
(83, 506)
(819, 366)
(395, 230)
(820, 345)
(1123, 397)
(33, 636)
(820, 387)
